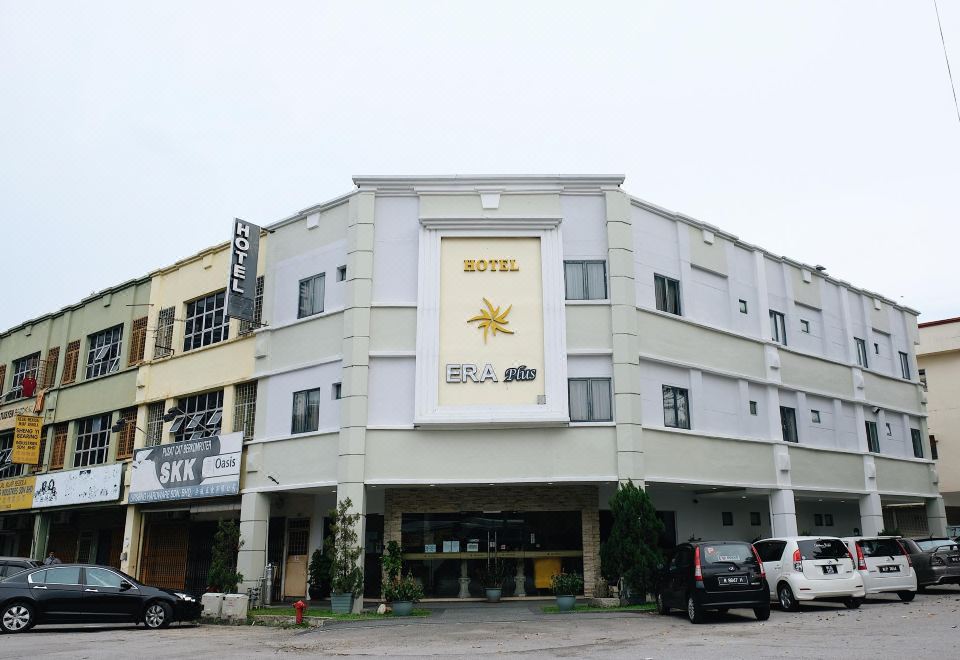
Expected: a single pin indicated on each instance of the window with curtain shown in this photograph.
(590, 400)
(585, 280)
(788, 424)
(668, 294)
(676, 407)
(311, 296)
(306, 411)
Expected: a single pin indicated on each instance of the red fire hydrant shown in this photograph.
(299, 606)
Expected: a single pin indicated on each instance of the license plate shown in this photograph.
(829, 570)
(889, 569)
(734, 579)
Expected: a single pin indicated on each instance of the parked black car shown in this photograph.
(81, 593)
(935, 560)
(713, 575)
(13, 565)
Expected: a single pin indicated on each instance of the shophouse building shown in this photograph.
(196, 401)
(76, 369)
(476, 362)
(939, 359)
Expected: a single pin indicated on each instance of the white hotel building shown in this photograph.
(748, 393)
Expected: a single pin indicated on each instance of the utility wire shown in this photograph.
(945, 57)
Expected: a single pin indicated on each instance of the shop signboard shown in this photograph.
(8, 418)
(17, 493)
(208, 467)
(26, 439)
(242, 280)
(83, 486)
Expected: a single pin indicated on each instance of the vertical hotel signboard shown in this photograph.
(242, 280)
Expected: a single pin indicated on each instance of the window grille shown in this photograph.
(206, 322)
(245, 408)
(163, 339)
(23, 368)
(70, 362)
(103, 353)
(128, 433)
(59, 446)
(202, 416)
(7, 469)
(154, 424)
(246, 327)
(50, 368)
(138, 340)
(93, 441)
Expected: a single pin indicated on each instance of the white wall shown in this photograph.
(395, 250)
(286, 276)
(583, 227)
(653, 376)
(275, 406)
(391, 391)
(656, 250)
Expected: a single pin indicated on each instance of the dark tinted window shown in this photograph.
(738, 553)
(684, 557)
(823, 549)
(101, 577)
(881, 548)
(770, 550)
(933, 544)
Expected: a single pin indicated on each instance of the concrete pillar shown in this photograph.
(130, 552)
(783, 513)
(41, 531)
(254, 528)
(590, 517)
(871, 514)
(936, 516)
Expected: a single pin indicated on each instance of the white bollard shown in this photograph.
(212, 606)
(234, 608)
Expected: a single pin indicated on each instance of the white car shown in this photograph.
(884, 565)
(803, 568)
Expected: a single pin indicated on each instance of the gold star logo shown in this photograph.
(492, 320)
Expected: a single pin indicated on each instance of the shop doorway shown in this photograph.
(298, 538)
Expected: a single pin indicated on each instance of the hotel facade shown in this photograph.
(477, 362)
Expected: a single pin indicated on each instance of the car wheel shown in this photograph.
(157, 615)
(694, 610)
(762, 613)
(16, 617)
(852, 603)
(661, 606)
(906, 596)
(787, 600)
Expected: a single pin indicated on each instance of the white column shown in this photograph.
(254, 527)
(871, 514)
(783, 513)
(936, 516)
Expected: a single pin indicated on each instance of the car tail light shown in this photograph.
(905, 553)
(697, 571)
(861, 562)
(797, 561)
(763, 573)
(937, 560)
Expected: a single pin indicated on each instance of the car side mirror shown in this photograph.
(125, 586)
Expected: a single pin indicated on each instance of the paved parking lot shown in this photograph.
(882, 627)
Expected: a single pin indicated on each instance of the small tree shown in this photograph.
(633, 550)
(223, 576)
(344, 550)
(319, 572)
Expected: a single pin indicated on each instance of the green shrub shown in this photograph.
(567, 584)
(632, 552)
(222, 576)
(319, 571)
(343, 547)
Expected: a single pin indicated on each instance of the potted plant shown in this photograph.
(400, 591)
(492, 577)
(319, 575)
(346, 576)
(222, 576)
(566, 587)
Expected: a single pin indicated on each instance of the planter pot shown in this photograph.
(316, 592)
(341, 603)
(566, 603)
(402, 607)
(493, 595)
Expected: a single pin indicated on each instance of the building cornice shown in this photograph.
(487, 182)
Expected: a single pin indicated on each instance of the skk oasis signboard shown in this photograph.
(242, 281)
(209, 467)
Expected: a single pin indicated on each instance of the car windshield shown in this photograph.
(881, 548)
(823, 549)
(737, 553)
(933, 544)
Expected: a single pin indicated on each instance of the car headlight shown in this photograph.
(186, 597)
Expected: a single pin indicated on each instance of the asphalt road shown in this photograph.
(929, 627)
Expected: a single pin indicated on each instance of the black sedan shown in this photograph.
(81, 593)
(936, 560)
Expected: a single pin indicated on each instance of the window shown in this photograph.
(103, 352)
(727, 518)
(154, 424)
(743, 306)
(138, 341)
(245, 408)
(818, 520)
(201, 417)
(50, 368)
(163, 340)
(922, 375)
(873, 440)
(815, 416)
(805, 326)
(206, 322)
(861, 352)
(93, 441)
(337, 391)
(101, 577)
(933, 448)
(311, 296)
(59, 450)
(585, 280)
(904, 366)
(3, 376)
(788, 424)
(676, 407)
(70, 363)
(246, 327)
(127, 434)
(590, 400)
(7, 469)
(753, 407)
(306, 411)
(778, 327)
(668, 294)
(341, 273)
(828, 519)
(754, 518)
(917, 443)
(25, 367)
(59, 575)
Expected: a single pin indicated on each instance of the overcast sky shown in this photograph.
(132, 133)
